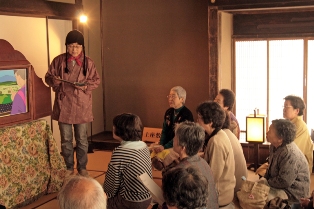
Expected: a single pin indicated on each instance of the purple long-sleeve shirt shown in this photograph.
(19, 103)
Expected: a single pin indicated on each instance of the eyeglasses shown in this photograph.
(285, 107)
(171, 96)
(74, 46)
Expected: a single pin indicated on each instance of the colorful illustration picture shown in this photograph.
(13, 92)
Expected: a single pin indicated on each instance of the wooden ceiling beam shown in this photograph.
(39, 8)
(242, 5)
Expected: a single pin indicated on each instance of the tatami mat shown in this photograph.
(101, 179)
(42, 201)
(53, 204)
(97, 167)
(98, 161)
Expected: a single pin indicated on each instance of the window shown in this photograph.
(310, 86)
(267, 71)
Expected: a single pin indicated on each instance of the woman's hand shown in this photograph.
(158, 148)
(83, 88)
(304, 202)
(56, 81)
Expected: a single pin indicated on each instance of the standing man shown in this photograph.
(73, 76)
(226, 99)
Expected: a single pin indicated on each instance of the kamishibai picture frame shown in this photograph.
(13, 91)
(37, 96)
(9, 93)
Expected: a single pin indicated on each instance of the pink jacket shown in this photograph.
(72, 105)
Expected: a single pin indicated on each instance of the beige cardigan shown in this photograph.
(219, 155)
(303, 140)
(239, 159)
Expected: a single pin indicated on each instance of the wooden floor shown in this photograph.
(103, 141)
(97, 167)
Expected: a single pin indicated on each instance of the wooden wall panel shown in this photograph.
(150, 47)
(260, 4)
(213, 52)
(274, 24)
(39, 8)
(248, 150)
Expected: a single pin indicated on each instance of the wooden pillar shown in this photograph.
(103, 61)
(213, 51)
(76, 22)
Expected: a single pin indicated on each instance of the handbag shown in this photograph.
(253, 195)
(165, 158)
(277, 203)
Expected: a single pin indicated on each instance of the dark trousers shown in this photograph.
(117, 202)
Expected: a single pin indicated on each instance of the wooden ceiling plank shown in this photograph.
(39, 8)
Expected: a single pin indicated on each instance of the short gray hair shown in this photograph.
(191, 136)
(80, 192)
(285, 130)
(180, 91)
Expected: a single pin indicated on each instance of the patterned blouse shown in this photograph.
(288, 170)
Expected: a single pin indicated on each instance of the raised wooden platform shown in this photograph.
(103, 141)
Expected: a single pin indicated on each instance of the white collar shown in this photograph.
(133, 144)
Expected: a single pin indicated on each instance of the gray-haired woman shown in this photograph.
(288, 174)
(177, 113)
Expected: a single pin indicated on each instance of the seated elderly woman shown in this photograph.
(226, 99)
(188, 141)
(177, 113)
(185, 187)
(129, 160)
(293, 110)
(218, 152)
(239, 158)
(288, 174)
(163, 155)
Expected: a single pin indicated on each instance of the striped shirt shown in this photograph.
(129, 160)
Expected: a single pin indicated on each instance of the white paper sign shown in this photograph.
(152, 187)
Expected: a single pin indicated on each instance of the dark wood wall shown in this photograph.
(40, 8)
(249, 154)
(260, 5)
(286, 24)
(150, 47)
